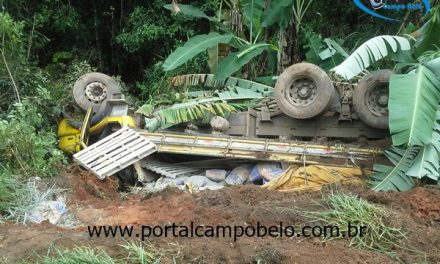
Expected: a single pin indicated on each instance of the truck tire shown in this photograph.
(370, 99)
(304, 91)
(92, 89)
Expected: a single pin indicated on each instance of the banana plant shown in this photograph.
(387, 178)
(248, 48)
(370, 52)
(415, 130)
(413, 103)
(219, 103)
(326, 53)
(414, 98)
(427, 41)
(428, 35)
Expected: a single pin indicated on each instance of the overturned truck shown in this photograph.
(308, 105)
(302, 120)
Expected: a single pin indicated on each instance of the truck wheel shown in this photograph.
(303, 91)
(370, 99)
(92, 89)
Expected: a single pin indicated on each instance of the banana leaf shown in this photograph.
(325, 53)
(314, 47)
(208, 81)
(279, 12)
(193, 47)
(221, 104)
(192, 110)
(386, 178)
(189, 10)
(427, 163)
(429, 33)
(252, 12)
(238, 93)
(434, 66)
(371, 51)
(413, 103)
(237, 60)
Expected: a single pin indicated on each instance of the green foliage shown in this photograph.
(414, 124)
(11, 30)
(11, 55)
(144, 253)
(300, 8)
(371, 51)
(388, 178)
(77, 255)
(235, 61)
(380, 235)
(189, 10)
(26, 149)
(142, 30)
(248, 48)
(62, 57)
(193, 47)
(192, 110)
(23, 196)
(325, 53)
(279, 12)
(431, 60)
(253, 12)
(426, 164)
(429, 33)
(58, 17)
(131, 253)
(413, 96)
(58, 80)
(217, 104)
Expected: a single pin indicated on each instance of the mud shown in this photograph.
(97, 202)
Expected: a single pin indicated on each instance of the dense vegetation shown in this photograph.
(47, 44)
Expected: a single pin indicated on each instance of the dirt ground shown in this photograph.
(96, 202)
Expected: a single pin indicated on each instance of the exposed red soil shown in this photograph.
(97, 202)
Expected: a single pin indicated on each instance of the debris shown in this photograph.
(219, 124)
(161, 184)
(197, 181)
(213, 186)
(48, 210)
(200, 183)
(114, 152)
(239, 175)
(169, 170)
(255, 175)
(216, 175)
(143, 175)
(265, 170)
(313, 177)
(180, 181)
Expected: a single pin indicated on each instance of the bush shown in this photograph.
(26, 150)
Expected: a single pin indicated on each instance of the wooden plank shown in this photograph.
(115, 152)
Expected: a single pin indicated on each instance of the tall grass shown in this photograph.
(77, 255)
(142, 253)
(132, 253)
(380, 235)
(22, 197)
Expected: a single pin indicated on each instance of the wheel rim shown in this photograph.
(302, 91)
(96, 92)
(377, 99)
